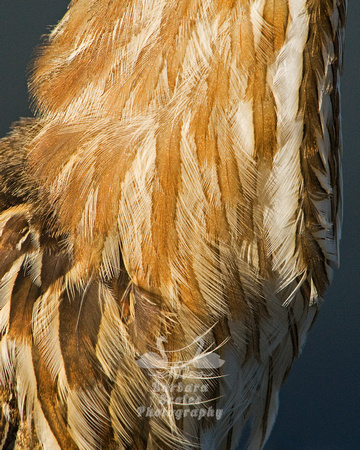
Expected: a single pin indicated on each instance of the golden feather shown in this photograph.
(169, 221)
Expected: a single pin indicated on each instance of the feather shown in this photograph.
(169, 221)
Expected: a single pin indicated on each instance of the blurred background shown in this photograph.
(320, 402)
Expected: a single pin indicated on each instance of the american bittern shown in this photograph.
(170, 221)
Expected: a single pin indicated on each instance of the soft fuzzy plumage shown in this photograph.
(178, 192)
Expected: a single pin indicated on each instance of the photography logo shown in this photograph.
(186, 397)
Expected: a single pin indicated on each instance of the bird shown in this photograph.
(180, 179)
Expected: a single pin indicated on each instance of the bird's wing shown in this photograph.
(182, 179)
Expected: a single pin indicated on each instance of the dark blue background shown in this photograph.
(320, 403)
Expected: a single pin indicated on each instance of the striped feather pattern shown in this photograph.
(169, 223)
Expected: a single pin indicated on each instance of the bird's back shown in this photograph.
(170, 220)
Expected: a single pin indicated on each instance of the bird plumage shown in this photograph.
(181, 180)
